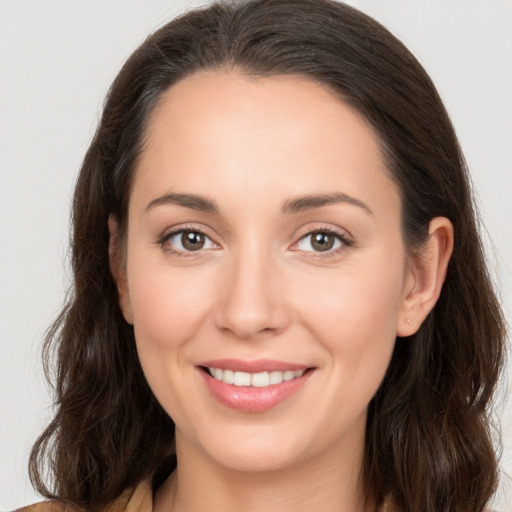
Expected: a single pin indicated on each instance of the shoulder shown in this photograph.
(50, 506)
(138, 499)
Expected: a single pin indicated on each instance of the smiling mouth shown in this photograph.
(256, 380)
(253, 386)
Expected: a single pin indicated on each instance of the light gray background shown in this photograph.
(57, 59)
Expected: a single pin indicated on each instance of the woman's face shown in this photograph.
(263, 244)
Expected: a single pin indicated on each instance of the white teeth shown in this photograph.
(228, 376)
(257, 380)
(276, 377)
(288, 375)
(242, 379)
(260, 380)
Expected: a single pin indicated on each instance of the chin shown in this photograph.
(247, 450)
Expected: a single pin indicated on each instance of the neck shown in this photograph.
(326, 483)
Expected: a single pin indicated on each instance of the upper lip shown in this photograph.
(256, 366)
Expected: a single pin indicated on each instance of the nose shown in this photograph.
(251, 298)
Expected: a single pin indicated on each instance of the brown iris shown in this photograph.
(322, 241)
(192, 240)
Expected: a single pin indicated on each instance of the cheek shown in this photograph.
(163, 299)
(168, 311)
(354, 314)
(168, 308)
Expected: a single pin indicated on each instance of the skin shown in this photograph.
(258, 289)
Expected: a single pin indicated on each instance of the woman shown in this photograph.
(280, 298)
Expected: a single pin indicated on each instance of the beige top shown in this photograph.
(139, 499)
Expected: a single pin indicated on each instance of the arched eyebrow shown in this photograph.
(295, 205)
(192, 201)
(311, 201)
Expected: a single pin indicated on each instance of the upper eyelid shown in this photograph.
(342, 233)
(341, 238)
(174, 230)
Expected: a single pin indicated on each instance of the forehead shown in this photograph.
(222, 132)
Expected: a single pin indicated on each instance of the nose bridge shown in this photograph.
(250, 299)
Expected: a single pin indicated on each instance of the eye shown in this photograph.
(321, 241)
(187, 240)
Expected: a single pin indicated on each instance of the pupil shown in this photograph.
(322, 241)
(192, 241)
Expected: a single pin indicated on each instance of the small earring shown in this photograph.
(409, 322)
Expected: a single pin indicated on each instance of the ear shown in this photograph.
(425, 277)
(118, 268)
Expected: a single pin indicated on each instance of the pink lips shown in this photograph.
(248, 398)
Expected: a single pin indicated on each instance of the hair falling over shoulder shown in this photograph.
(429, 432)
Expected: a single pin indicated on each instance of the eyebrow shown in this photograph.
(298, 204)
(192, 201)
(312, 201)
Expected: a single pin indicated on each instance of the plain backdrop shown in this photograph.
(57, 59)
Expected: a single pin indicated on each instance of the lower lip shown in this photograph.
(252, 399)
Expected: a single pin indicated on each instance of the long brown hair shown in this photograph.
(428, 440)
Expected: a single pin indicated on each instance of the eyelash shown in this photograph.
(345, 242)
(163, 241)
